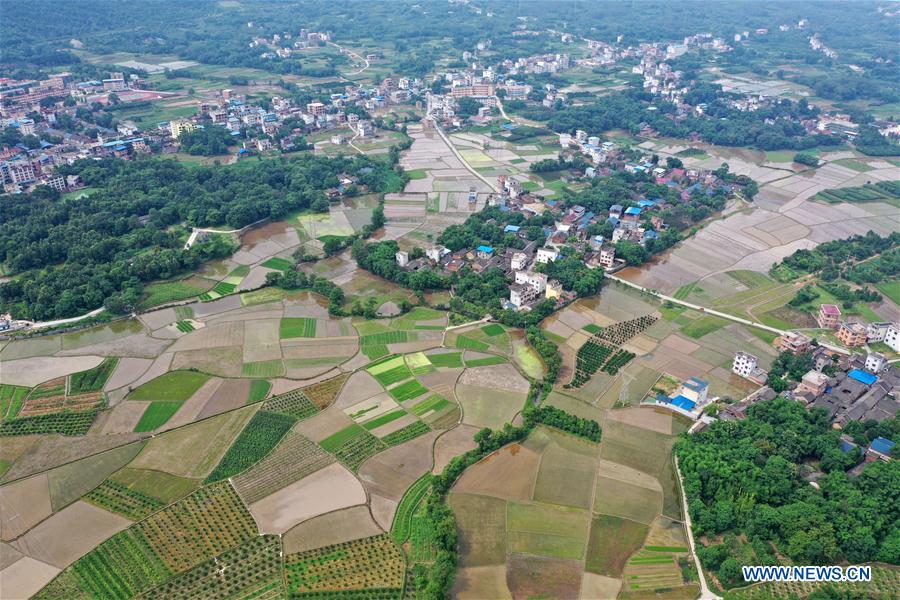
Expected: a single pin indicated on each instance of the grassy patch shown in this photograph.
(592, 328)
(259, 389)
(175, 386)
(417, 174)
(156, 415)
(263, 368)
(161, 293)
(467, 343)
(891, 289)
(493, 329)
(294, 327)
(612, 541)
(485, 362)
(684, 291)
(703, 326)
(11, 399)
(279, 264)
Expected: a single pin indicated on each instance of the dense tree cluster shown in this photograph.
(788, 367)
(560, 419)
(208, 141)
(298, 280)
(770, 128)
(72, 254)
(745, 478)
(851, 259)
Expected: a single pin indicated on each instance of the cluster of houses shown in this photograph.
(23, 167)
(283, 45)
(855, 335)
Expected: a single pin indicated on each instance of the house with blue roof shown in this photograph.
(882, 447)
(634, 211)
(863, 377)
(511, 229)
(694, 389)
(646, 203)
(485, 252)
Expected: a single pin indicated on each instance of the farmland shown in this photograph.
(258, 438)
(369, 564)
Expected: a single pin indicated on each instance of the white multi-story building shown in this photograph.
(402, 258)
(538, 281)
(892, 337)
(545, 255)
(744, 364)
(519, 261)
(875, 361)
(875, 332)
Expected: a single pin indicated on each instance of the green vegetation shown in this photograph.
(352, 445)
(64, 423)
(704, 325)
(407, 391)
(184, 326)
(882, 191)
(411, 500)
(766, 501)
(119, 498)
(384, 419)
(433, 403)
(485, 362)
(11, 399)
(92, 380)
(368, 568)
(466, 343)
(411, 431)
(170, 291)
(298, 327)
(263, 368)
(391, 372)
(493, 329)
(279, 264)
(156, 415)
(860, 259)
(174, 386)
(259, 389)
(258, 438)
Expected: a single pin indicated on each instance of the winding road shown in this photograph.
(705, 592)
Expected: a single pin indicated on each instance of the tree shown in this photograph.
(805, 158)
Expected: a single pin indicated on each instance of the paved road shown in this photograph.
(703, 309)
(490, 184)
(710, 311)
(354, 55)
(45, 324)
(705, 592)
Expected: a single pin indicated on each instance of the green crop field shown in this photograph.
(352, 445)
(493, 329)
(384, 419)
(156, 415)
(467, 343)
(432, 403)
(450, 360)
(258, 438)
(486, 361)
(384, 338)
(401, 527)
(279, 264)
(119, 498)
(263, 368)
(298, 327)
(259, 389)
(175, 386)
(171, 291)
(411, 431)
(407, 391)
(11, 398)
(92, 380)
(66, 423)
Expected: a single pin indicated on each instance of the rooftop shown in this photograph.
(830, 309)
(882, 445)
(862, 376)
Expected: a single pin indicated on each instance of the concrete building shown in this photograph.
(792, 342)
(875, 361)
(436, 253)
(744, 363)
(892, 337)
(316, 108)
(176, 128)
(813, 383)
(519, 261)
(875, 332)
(694, 389)
(829, 316)
(402, 258)
(545, 255)
(852, 335)
(607, 256)
(554, 290)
